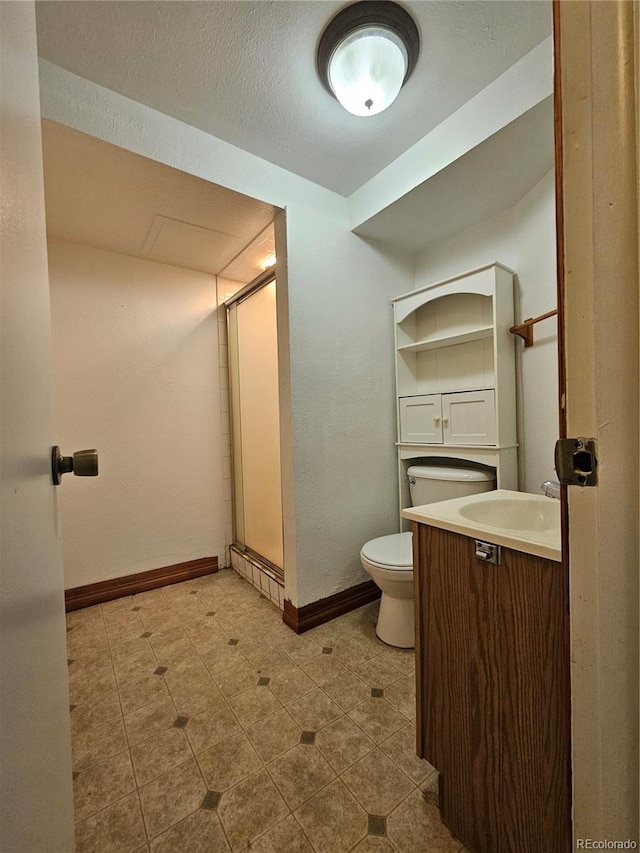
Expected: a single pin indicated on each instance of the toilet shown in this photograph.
(389, 559)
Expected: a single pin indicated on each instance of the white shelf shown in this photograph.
(449, 340)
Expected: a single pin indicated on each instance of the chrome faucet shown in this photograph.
(551, 489)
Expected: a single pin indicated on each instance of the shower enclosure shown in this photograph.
(255, 415)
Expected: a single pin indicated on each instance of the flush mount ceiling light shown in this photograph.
(366, 54)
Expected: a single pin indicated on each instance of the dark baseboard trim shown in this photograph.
(96, 593)
(301, 619)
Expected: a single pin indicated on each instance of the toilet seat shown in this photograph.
(393, 552)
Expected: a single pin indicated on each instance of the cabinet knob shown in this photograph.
(436, 420)
(445, 422)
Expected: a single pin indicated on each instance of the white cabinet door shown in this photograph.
(469, 417)
(421, 419)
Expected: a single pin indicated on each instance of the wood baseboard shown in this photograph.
(301, 619)
(96, 593)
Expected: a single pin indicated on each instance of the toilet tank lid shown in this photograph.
(449, 472)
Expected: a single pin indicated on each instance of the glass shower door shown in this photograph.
(253, 371)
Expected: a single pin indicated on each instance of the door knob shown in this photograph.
(83, 463)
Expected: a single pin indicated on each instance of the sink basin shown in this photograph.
(514, 514)
(516, 520)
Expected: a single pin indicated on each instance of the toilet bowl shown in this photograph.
(389, 559)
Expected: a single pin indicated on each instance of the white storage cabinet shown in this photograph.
(455, 372)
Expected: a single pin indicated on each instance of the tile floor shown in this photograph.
(200, 722)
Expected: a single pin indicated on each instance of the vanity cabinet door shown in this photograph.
(493, 693)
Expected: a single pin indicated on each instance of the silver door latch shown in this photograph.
(577, 461)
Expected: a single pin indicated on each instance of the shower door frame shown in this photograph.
(263, 280)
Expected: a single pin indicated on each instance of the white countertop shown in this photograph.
(532, 522)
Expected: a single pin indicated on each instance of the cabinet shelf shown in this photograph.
(448, 340)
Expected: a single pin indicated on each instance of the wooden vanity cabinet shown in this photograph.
(493, 692)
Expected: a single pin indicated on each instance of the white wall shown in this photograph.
(136, 376)
(342, 398)
(522, 238)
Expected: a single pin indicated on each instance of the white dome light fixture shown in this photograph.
(366, 54)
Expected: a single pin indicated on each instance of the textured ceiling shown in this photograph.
(245, 71)
(103, 196)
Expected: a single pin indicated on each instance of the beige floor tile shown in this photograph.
(98, 744)
(332, 820)
(374, 844)
(88, 661)
(377, 783)
(159, 754)
(255, 647)
(182, 673)
(171, 797)
(402, 695)
(222, 657)
(92, 684)
(211, 726)
(85, 616)
(291, 684)
(328, 634)
(343, 743)
(300, 648)
(236, 679)
(171, 652)
(415, 826)
(402, 659)
(401, 748)
(272, 663)
(285, 837)
(123, 650)
(95, 647)
(157, 618)
(194, 696)
(314, 711)
(274, 735)
(323, 668)
(228, 762)
(352, 652)
(299, 773)
(95, 712)
(136, 694)
(250, 809)
(348, 690)
(102, 784)
(116, 829)
(123, 626)
(149, 720)
(200, 832)
(207, 640)
(377, 719)
(135, 669)
(377, 672)
(253, 705)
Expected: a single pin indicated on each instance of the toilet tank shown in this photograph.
(431, 483)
